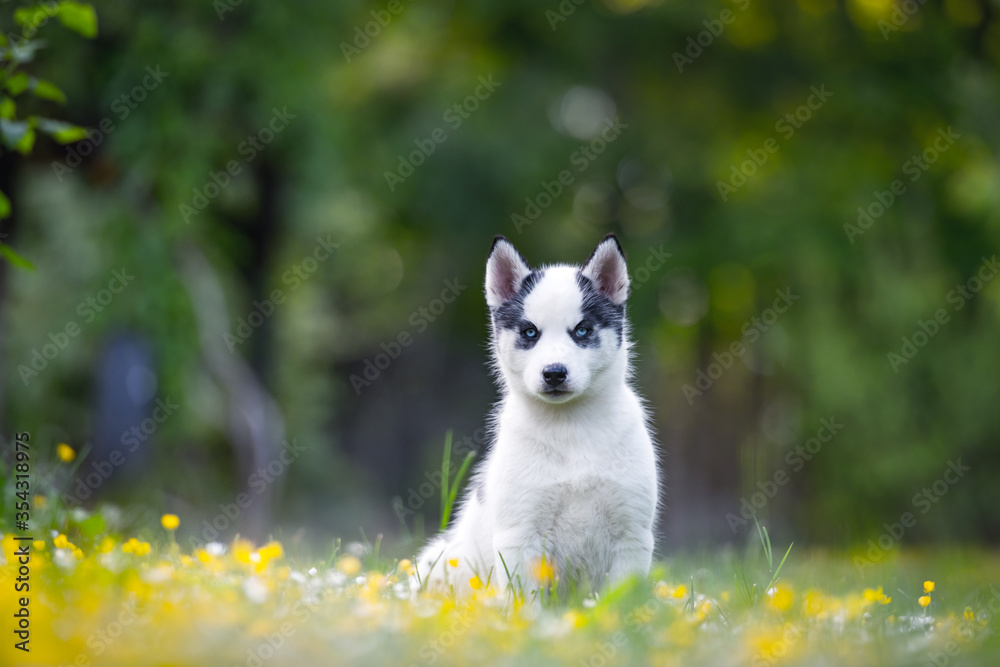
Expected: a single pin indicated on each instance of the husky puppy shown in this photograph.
(571, 476)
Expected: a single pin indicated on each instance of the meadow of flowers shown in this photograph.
(101, 596)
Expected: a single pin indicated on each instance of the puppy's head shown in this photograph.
(557, 329)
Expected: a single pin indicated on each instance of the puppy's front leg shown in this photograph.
(632, 555)
(516, 550)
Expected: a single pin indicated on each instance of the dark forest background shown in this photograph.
(237, 164)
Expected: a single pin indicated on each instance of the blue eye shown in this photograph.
(581, 332)
(530, 332)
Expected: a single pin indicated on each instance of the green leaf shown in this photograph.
(79, 18)
(17, 83)
(7, 107)
(4, 206)
(93, 526)
(63, 132)
(35, 17)
(70, 134)
(26, 143)
(8, 253)
(48, 91)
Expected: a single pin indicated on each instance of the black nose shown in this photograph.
(554, 374)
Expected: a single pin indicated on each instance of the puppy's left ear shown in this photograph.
(606, 269)
(505, 270)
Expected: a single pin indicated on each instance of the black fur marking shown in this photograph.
(523, 342)
(598, 313)
(510, 314)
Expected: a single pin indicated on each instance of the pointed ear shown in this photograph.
(607, 270)
(505, 269)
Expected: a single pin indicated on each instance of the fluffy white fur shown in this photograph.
(572, 477)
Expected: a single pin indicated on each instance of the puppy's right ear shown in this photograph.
(505, 269)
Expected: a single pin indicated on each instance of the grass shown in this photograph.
(103, 593)
(449, 486)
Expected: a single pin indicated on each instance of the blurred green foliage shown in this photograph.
(181, 97)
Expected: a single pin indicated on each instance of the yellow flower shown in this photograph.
(969, 614)
(877, 595)
(680, 591)
(65, 452)
(243, 551)
(61, 542)
(928, 586)
(39, 545)
(405, 566)
(476, 583)
(135, 547)
(781, 598)
(374, 581)
(170, 521)
(107, 544)
(270, 551)
(924, 600)
(543, 570)
(453, 562)
(813, 603)
(349, 565)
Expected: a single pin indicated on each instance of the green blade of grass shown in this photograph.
(777, 573)
(445, 476)
(453, 493)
